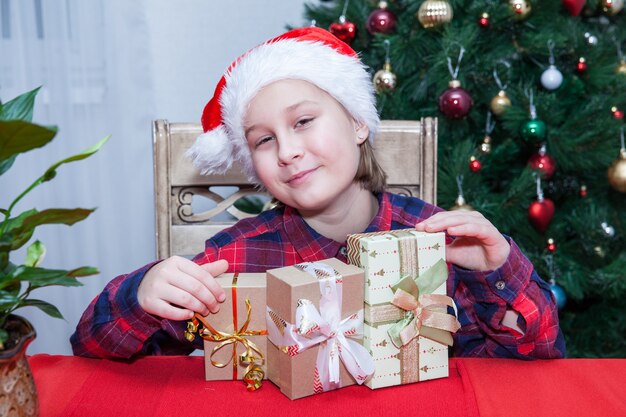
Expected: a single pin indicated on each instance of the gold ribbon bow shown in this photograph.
(426, 314)
(253, 374)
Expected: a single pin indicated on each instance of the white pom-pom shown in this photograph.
(212, 152)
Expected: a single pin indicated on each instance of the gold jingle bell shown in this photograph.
(485, 147)
(500, 103)
(460, 204)
(617, 172)
(521, 9)
(384, 79)
(611, 7)
(434, 13)
(621, 68)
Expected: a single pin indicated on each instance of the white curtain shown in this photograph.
(110, 67)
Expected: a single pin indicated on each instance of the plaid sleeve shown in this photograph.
(115, 326)
(484, 298)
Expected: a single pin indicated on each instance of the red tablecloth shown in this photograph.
(168, 386)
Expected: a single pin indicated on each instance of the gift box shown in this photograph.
(315, 325)
(407, 326)
(235, 341)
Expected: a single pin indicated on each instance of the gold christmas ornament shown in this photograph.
(521, 9)
(617, 172)
(611, 7)
(384, 79)
(621, 68)
(599, 251)
(485, 147)
(500, 103)
(460, 204)
(434, 13)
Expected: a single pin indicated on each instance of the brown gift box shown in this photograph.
(285, 286)
(238, 287)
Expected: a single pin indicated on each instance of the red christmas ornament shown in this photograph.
(551, 247)
(581, 66)
(455, 102)
(543, 163)
(381, 20)
(540, 213)
(617, 113)
(583, 190)
(475, 164)
(484, 20)
(574, 7)
(344, 30)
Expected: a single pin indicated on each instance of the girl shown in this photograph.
(298, 113)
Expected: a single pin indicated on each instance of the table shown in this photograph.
(168, 386)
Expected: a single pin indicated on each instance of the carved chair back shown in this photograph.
(191, 207)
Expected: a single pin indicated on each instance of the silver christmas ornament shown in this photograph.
(591, 39)
(608, 229)
(551, 78)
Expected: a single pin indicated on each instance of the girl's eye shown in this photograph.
(262, 141)
(304, 122)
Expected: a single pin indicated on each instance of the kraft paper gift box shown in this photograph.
(407, 328)
(235, 341)
(315, 322)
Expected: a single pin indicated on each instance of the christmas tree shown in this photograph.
(530, 98)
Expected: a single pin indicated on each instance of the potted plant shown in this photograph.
(18, 279)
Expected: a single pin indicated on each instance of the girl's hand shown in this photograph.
(177, 287)
(478, 246)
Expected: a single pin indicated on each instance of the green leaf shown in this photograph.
(18, 136)
(20, 108)
(44, 306)
(35, 254)
(4, 336)
(22, 227)
(83, 271)
(4, 274)
(250, 204)
(40, 277)
(51, 172)
(5, 243)
(4, 260)
(6, 164)
(7, 299)
(57, 216)
(14, 233)
(13, 287)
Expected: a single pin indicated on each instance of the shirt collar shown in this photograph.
(382, 220)
(312, 246)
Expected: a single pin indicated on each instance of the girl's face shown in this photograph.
(304, 145)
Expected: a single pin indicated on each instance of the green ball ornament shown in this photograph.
(534, 130)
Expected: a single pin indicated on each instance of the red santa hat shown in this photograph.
(310, 54)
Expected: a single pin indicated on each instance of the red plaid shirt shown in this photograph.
(114, 325)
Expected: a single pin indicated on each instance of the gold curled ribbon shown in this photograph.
(253, 374)
(426, 314)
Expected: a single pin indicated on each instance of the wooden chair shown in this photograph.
(407, 151)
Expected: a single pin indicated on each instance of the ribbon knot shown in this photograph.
(417, 313)
(252, 358)
(425, 314)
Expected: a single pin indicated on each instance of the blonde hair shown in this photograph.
(370, 174)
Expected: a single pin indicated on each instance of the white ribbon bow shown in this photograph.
(325, 327)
